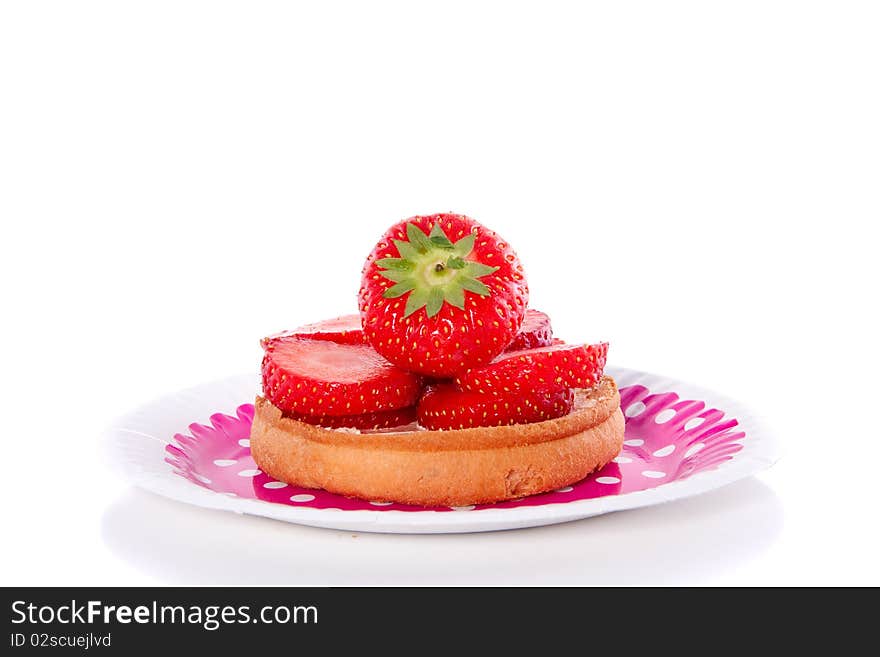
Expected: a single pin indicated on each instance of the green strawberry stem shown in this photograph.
(433, 270)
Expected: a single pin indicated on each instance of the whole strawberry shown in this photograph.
(441, 294)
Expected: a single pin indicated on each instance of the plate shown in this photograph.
(680, 440)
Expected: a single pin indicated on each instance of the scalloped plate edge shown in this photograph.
(134, 445)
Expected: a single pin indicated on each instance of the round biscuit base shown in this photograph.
(443, 468)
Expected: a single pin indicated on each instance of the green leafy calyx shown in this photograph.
(433, 270)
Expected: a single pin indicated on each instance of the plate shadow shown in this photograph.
(682, 542)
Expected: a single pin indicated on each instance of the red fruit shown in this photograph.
(316, 377)
(342, 330)
(574, 366)
(534, 332)
(444, 406)
(364, 422)
(441, 294)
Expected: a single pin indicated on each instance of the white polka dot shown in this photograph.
(469, 507)
(635, 442)
(665, 451)
(332, 508)
(248, 473)
(225, 463)
(566, 489)
(381, 503)
(693, 449)
(653, 474)
(664, 416)
(693, 423)
(201, 478)
(634, 409)
(245, 442)
(274, 484)
(607, 480)
(305, 497)
(622, 459)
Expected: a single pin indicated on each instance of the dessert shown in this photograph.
(446, 389)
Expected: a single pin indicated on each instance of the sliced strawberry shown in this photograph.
(316, 377)
(534, 332)
(365, 421)
(444, 406)
(575, 366)
(342, 330)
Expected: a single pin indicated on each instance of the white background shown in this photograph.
(696, 182)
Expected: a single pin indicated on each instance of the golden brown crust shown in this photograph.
(455, 467)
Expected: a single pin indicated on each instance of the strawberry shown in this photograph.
(365, 422)
(444, 406)
(316, 377)
(343, 330)
(575, 366)
(441, 294)
(534, 332)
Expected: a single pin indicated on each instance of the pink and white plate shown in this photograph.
(680, 441)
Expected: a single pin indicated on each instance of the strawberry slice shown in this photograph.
(365, 422)
(534, 332)
(444, 406)
(342, 330)
(316, 377)
(574, 366)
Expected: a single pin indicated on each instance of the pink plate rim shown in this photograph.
(135, 447)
